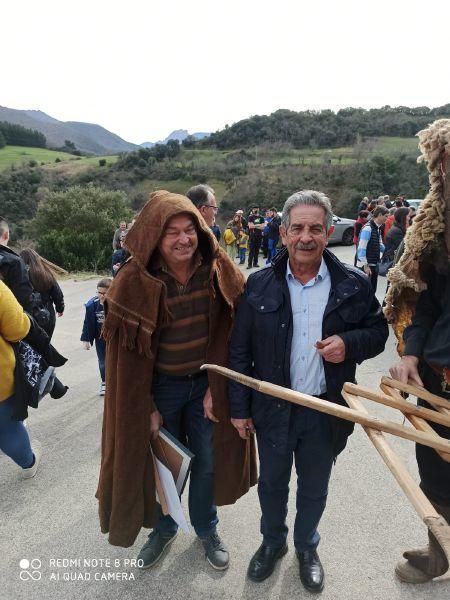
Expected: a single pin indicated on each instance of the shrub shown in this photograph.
(74, 228)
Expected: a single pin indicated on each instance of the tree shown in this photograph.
(2, 140)
(74, 228)
(173, 148)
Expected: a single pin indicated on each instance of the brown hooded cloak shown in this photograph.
(135, 310)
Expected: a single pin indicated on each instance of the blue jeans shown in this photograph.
(310, 443)
(14, 440)
(100, 347)
(271, 249)
(242, 252)
(180, 402)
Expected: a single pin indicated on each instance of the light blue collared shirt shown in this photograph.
(308, 305)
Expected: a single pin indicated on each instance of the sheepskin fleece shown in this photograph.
(135, 310)
(427, 228)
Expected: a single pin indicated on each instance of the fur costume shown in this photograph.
(427, 241)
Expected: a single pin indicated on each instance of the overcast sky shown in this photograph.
(144, 68)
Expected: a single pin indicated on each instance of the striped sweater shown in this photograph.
(184, 341)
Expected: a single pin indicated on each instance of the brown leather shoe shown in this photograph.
(312, 574)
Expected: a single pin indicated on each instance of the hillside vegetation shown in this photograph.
(325, 128)
(18, 156)
(263, 173)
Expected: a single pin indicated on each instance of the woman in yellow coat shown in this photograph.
(14, 440)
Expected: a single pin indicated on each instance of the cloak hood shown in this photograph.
(143, 238)
(428, 234)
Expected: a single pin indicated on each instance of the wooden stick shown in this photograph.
(418, 499)
(402, 405)
(416, 391)
(418, 423)
(426, 511)
(334, 409)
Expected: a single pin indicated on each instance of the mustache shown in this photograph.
(310, 246)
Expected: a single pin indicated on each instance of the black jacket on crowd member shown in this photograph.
(51, 299)
(262, 338)
(15, 275)
(393, 241)
(118, 257)
(373, 246)
(273, 227)
(395, 234)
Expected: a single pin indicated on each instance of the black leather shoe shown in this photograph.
(311, 571)
(263, 562)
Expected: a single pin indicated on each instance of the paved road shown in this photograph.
(367, 524)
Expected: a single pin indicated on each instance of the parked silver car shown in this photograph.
(414, 203)
(343, 231)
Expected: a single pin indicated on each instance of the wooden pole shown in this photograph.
(416, 391)
(417, 422)
(399, 403)
(426, 511)
(336, 410)
(417, 498)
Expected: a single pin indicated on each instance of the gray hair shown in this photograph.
(4, 227)
(200, 194)
(307, 198)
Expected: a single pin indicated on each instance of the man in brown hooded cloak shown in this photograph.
(156, 343)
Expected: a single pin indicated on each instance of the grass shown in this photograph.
(20, 155)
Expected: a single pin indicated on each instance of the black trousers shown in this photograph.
(310, 446)
(434, 472)
(254, 244)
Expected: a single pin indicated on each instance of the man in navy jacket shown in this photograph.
(304, 323)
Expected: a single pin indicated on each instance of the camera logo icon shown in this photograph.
(30, 569)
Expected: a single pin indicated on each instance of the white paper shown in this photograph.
(171, 494)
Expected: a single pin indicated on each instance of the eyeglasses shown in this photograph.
(216, 208)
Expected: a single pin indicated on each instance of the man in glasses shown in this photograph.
(204, 199)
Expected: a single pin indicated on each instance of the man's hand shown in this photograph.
(244, 427)
(367, 270)
(407, 369)
(156, 422)
(60, 314)
(331, 349)
(86, 345)
(208, 407)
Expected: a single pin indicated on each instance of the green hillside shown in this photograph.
(20, 155)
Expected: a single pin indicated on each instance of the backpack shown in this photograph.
(39, 311)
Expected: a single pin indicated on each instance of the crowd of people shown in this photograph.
(253, 234)
(303, 323)
(378, 233)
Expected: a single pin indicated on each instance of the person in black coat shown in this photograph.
(395, 234)
(45, 284)
(119, 256)
(304, 323)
